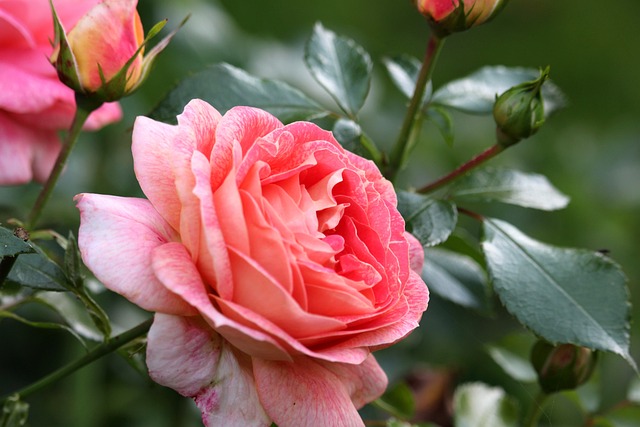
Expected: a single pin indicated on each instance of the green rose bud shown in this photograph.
(519, 112)
(562, 367)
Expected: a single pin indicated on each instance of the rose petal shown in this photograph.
(25, 152)
(116, 238)
(174, 267)
(304, 393)
(185, 354)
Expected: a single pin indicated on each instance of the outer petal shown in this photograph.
(185, 354)
(116, 238)
(153, 148)
(304, 393)
(416, 253)
(364, 382)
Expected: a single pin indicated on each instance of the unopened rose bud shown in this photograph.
(562, 367)
(519, 112)
(450, 16)
(102, 56)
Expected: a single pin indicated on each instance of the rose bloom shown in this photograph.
(275, 261)
(34, 105)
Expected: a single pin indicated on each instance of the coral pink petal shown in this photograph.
(174, 267)
(364, 382)
(416, 253)
(200, 120)
(185, 354)
(304, 393)
(416, 295)
(116, 239)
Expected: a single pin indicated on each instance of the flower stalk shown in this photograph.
(84, 107)
(535, 410)
(403, 146)
(99, 351)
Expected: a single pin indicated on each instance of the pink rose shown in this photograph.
(34, 105)
(102, 42)
(276, 262)
(448, 16)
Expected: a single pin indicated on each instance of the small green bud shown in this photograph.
(519, 112)
(562, 367)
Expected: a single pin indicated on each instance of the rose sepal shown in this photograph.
(149, 58)
(63, 58)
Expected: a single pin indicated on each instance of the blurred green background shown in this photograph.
(590, 151)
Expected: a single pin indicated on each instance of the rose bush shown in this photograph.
(34, 105)
(448, 16)
(275, 261)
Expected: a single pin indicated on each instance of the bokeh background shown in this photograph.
(590, 151)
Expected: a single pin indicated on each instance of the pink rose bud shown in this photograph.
(562, 367)
(450, 16)
(102, 55)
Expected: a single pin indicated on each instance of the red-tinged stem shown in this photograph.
(487, 154)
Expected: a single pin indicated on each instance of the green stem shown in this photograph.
(401, 148)
(487, 154)
(84, 107)
(97, 352)
(535, 410)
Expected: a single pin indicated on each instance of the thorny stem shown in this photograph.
(401, 148)
(97, 352)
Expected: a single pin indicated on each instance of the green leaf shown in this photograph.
(476, 93)
(225, 86)
(72, 312)
(563, 295)
(404, 70)
(456, 278)
(398, 401)
(14, 412)
(350, 135)
(431, 221)
(511, 353)
(342, 67)
(528, 190)
(633, 394)
(622, 416)
(39, 272)
(10, 245)
(443, 121)
(72, 262)
(479, 405)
